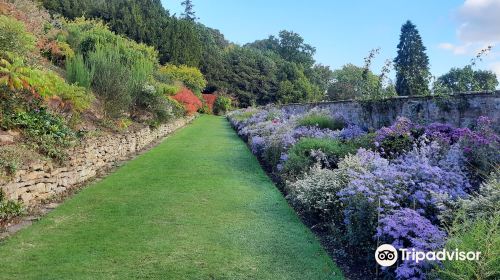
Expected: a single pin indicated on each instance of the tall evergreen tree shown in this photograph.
(412, 63)
(189, 13)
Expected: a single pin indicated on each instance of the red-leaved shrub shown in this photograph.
(210, 100)
(190, 101)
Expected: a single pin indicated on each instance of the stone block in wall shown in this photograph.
(37, 188)
(26, 196)
(37, 166)
(32, 176)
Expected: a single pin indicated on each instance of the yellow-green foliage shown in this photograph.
(222, 105)
(49, 84)
(191, 77)
(14, 37)
(13, 73)
(167, 89)
(16, 76)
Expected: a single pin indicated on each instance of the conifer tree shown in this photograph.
(189, 13)
(411, 63)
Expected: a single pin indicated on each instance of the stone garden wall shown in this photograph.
(41, 180)
(460, 110)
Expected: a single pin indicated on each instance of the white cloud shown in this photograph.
(495, 67)
(479, 27)
(479, 21)
(456, 49)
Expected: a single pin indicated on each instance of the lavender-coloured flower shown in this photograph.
(407, 229)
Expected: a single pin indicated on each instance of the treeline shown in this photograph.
(279, 69)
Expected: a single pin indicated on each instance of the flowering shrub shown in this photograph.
(399, 185)
(428, 182)
(397, 138)
(372, 187)
(316, 193)
(444, 133)
(481, 147)
(189, 100)
(210, 100)
(407, 229)
(240, 116)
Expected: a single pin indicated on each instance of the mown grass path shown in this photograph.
(197, 206)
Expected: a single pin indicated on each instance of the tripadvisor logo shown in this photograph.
(387, 255)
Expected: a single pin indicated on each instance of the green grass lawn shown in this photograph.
(198, 206)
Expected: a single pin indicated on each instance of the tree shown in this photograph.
(183, 43)
(411, 63)
(466, 79)
(351, 82)
(320, 75)
(294, 86)
(212, 65)
(189, 13)
(290, 46)
(250, 76)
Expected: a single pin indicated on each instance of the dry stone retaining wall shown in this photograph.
(41, 180)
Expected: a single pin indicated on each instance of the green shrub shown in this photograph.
(140, 71)
(316, 194)
(222, 105)
(14, 37)
(57, 52)
(110, 80)
(205, 109)
(177, 108)
(48, 133)
(481, 235)
(120, 68)
(393, 146)
(309, 151)
(366, 141)
(9, 208)
(322, 120)
(49, 84)
(8, 165)
(84, 36)
(156, 103)
(486, 202)
(77, 72)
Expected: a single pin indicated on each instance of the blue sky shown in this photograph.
(345, 31)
